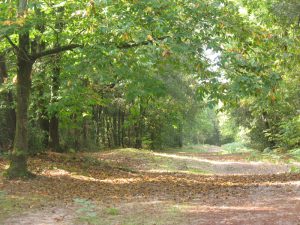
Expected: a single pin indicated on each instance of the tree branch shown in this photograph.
(55, 50)
(12, 43)
(137, 44)
(73, 46)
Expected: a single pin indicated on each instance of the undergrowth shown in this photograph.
(235, 147)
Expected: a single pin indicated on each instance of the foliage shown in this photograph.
(151, 76)
(295, 153)
(235, 147)
(228, 128)
(36, 139)
(262, 84)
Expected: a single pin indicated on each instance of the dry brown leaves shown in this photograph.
(65, 177)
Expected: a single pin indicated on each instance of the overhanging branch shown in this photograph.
(73, 46)
(12, 43)
(55, 50)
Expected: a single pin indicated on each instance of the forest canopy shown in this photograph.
(89, 75)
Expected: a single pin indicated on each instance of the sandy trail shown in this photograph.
(249, 200)
(218, 166)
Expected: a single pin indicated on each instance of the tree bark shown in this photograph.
(54, 120)
(115, 129)
(25, 61)
(85, 129)
(119, 128)
(10, 113)
(140, 127)
(180, 135)
(18, 164)
(43, 119)
(54, 134)
(122, 128)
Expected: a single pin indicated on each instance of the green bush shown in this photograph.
(290, 133)
(36, 139)
(235, 147)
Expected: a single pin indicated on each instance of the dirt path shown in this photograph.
(220, 165)
(235, 191)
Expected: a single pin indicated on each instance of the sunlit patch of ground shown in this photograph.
(130, 186)
(263, 206)
(14, 204)
(192, 162)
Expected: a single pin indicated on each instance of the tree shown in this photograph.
(137, 50)
(26, 56)
(262, 90)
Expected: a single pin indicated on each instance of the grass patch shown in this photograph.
(198, 171)
(294, 169)
(145, 213)
(294, 154)
(189, 149)
(267, 157)
(11, 205)
(291, 156)
(86, 211)
(157, 161)
(112, 211)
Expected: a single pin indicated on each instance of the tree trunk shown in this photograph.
(267, 125)
(108, 131)
(54, 134)
(139, 127)
(180, 135)
(10, 113)
(18, 164)
(119, 128)
(85, 129)
(44, 124)
(115, 130)
(122, 128)
(54, 120)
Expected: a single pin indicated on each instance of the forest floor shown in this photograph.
(191, 186)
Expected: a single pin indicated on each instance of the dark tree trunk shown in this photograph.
(54, 121)
(44, 125)
(122, 128)
(139, 128)
(18, 163)
(43, 118)
(138, 136)
(108, 131)
(42, 113)
(129, 137)
(10, 113)
(85, 129)
(96, 124)
(267, 125)
(119, 128)
(103, 129)
(180, 135)
(54, 134)
(115, 130)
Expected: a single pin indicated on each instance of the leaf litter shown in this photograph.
(115, 180)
